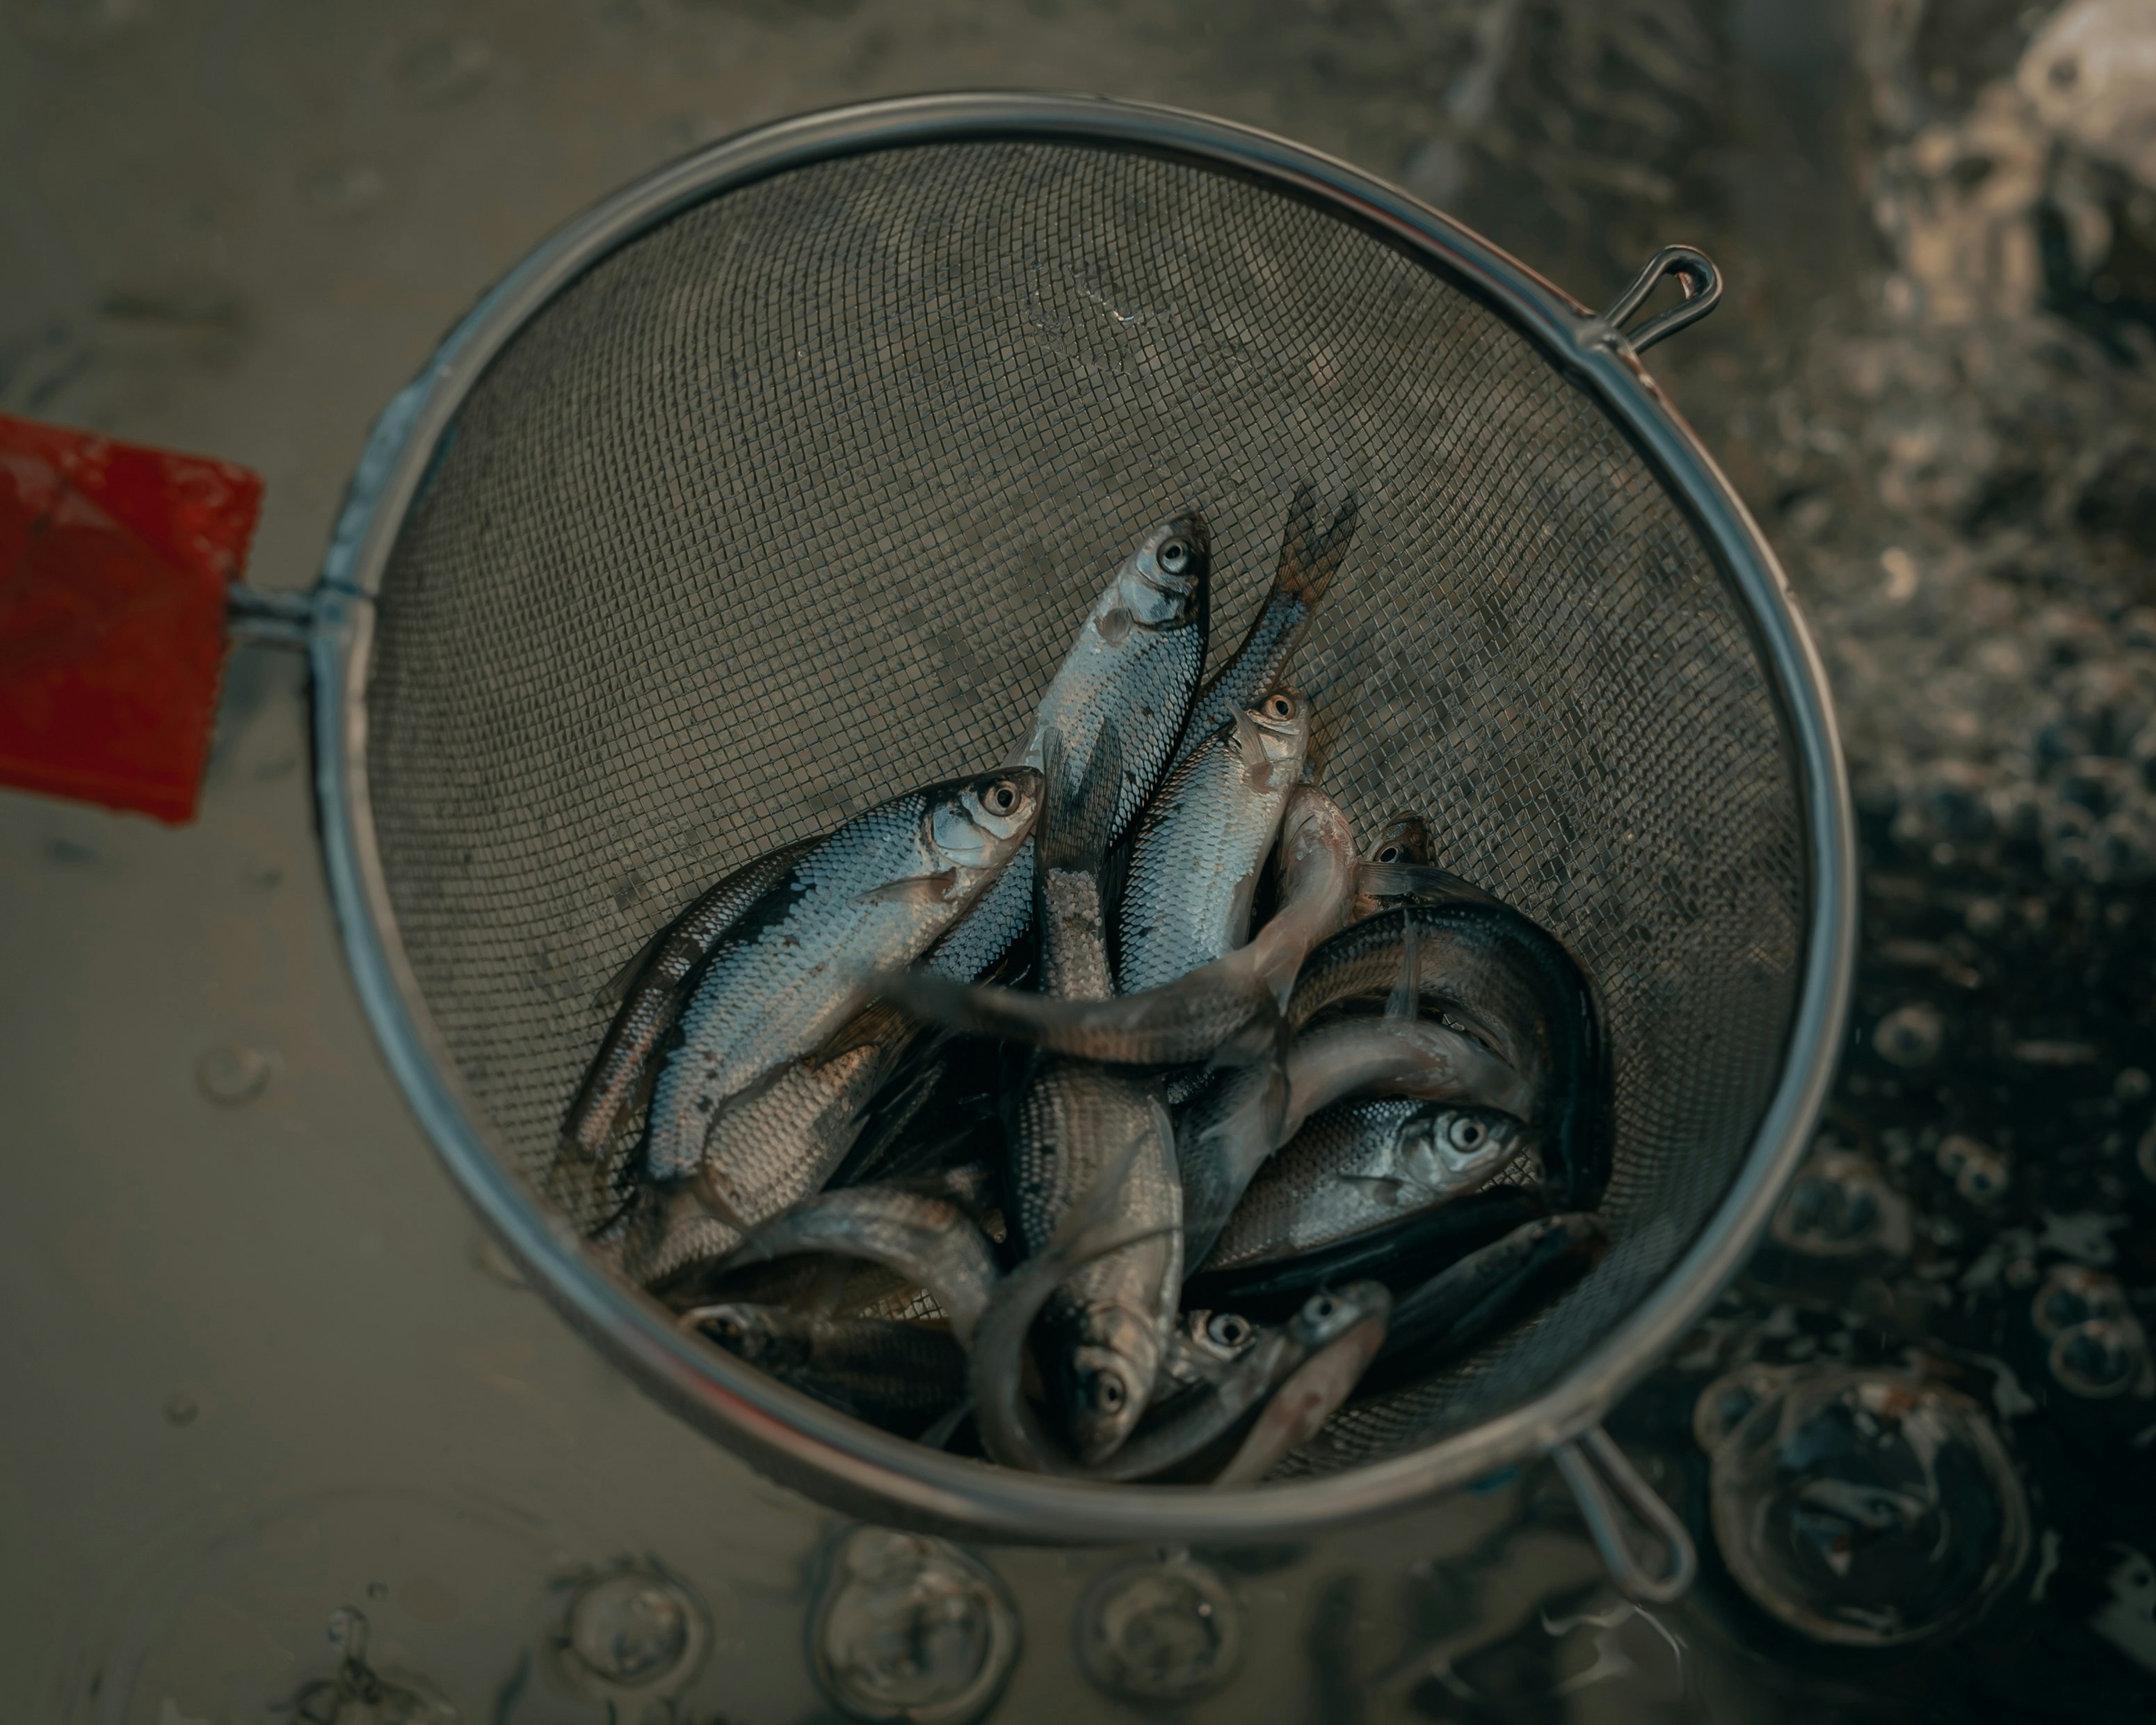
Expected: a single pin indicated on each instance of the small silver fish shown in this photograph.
(878, 892)
(1315, 1391)
(929, 1239)
(1202, 841)
(1227, 1131)
(649, 988)
(1308, 560)
(1361, 1166)
(1134, 666)
(1193, 1017)
(1515, 987)
(1013, 1433)
(900, 1376)
(774, 1148)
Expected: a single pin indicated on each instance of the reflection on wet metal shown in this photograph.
(912, 1629)
(1866, 1509)
(1160, 1631)
(359, 1695)
(628, 1632)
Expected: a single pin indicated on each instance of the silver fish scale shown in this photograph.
(894, 1375)
(1144, 689)
(1073, 1121)
(992, 928)
(653, 997)
(770, 1150)
(774, 990)
(1327, 1186)
(1195, 862)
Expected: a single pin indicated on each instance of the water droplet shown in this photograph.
(232, 1075)
(628, 1629)
(2073, 1294)
(1867, 1510)
(350, 189)
(377, 1590)
(1840, 1206)
(440, 70)
(1911, 1035)
(1979, 1172)
(348, 1630)
(910, 1628)
(181, 1408)
(2104, 1357)
(1166, 1631)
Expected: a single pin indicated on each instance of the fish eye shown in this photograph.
(1173, 556)
(1279, 707)
(1390, 854)
(1322, 1308)
(1228, 1330)
(1471, 1134)
(1103, 1392)
(1002, 797)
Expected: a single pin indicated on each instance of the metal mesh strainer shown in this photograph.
(778, 485)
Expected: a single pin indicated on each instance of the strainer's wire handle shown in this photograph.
(1591, 1464)
(280, 619)
(1697, 278)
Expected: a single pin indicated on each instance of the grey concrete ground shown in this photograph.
(257, 1365)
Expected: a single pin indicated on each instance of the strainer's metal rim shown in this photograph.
(797, 1439)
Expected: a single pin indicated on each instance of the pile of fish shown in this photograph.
(988, 1118)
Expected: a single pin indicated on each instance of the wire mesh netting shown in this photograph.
(796, 501)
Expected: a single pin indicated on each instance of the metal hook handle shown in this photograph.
(1589, 1461)
(1700, 281)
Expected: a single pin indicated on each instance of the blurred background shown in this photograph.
(260, 1369)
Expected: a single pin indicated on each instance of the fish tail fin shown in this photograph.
(1078, 817)
(1309, 559)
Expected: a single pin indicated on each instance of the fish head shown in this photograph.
(1162, 584)
(1330, 1313)
(1108, 1377)
(1404, 838)
(1280, 724)
(1442, 1145)
(984, 820)
(743, 1330)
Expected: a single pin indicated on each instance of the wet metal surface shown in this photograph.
(285, 1434)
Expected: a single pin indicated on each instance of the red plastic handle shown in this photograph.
(114, 564)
